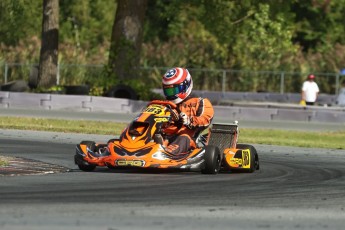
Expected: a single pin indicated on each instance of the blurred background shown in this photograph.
(228, 45)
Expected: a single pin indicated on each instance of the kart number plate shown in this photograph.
(246, 158)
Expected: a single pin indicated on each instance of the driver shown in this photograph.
(196, 113)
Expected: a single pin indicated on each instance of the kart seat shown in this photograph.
(224, 136)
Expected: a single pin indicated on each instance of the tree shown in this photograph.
(126, 38)
(47, 74)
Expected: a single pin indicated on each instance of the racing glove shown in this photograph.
(185, 119)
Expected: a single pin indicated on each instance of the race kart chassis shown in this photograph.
(138, 146)
(233, 156)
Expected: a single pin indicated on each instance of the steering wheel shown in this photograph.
(174, 112)
(172, 107)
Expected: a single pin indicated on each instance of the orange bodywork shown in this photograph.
(137, 146)
(156, 158)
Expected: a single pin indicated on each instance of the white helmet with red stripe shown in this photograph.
(177, 84)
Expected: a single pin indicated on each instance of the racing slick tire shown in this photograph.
(254, 157)
(83, 165)
(122, 91)
(213, 160)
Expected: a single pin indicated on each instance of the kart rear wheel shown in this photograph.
(254, 157)
(213, 160)
(83, 165)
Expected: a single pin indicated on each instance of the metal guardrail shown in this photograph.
(223, 80)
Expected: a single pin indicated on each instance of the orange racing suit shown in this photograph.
(200, 112)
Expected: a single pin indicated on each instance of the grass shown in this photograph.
(331, 140)
(3, 161)
(60, 125)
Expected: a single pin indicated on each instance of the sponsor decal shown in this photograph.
(170, 73)
(237, 161)
(161, 119)
(135, 163)
(243, 162)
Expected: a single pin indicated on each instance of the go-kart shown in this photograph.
(140, 145)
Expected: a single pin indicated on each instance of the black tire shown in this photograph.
(213, 160)
(254, 157)
(83, 165)
(122, 91)
(77, 89)
(33, 77)
(15, 86)
(86, 167)
(112, 167)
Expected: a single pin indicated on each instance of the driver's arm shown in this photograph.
(203, 115)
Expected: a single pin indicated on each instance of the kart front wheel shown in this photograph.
(82, 164)
(86, 168)
(213, 160)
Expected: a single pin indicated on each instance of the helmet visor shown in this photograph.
(172, 90)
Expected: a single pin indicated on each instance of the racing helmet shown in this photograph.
(177, 84)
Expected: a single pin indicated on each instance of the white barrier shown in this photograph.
(254, 111)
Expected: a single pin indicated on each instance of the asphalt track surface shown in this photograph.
(296, 188)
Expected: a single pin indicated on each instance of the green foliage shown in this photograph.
(270, 45)
(269, 39)
(19, 19)
(253, 35)
(20, 29)
(52, 90)
(97, 91)
(86, 26)
(4, 161)
(319, 23)
(319, 29)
